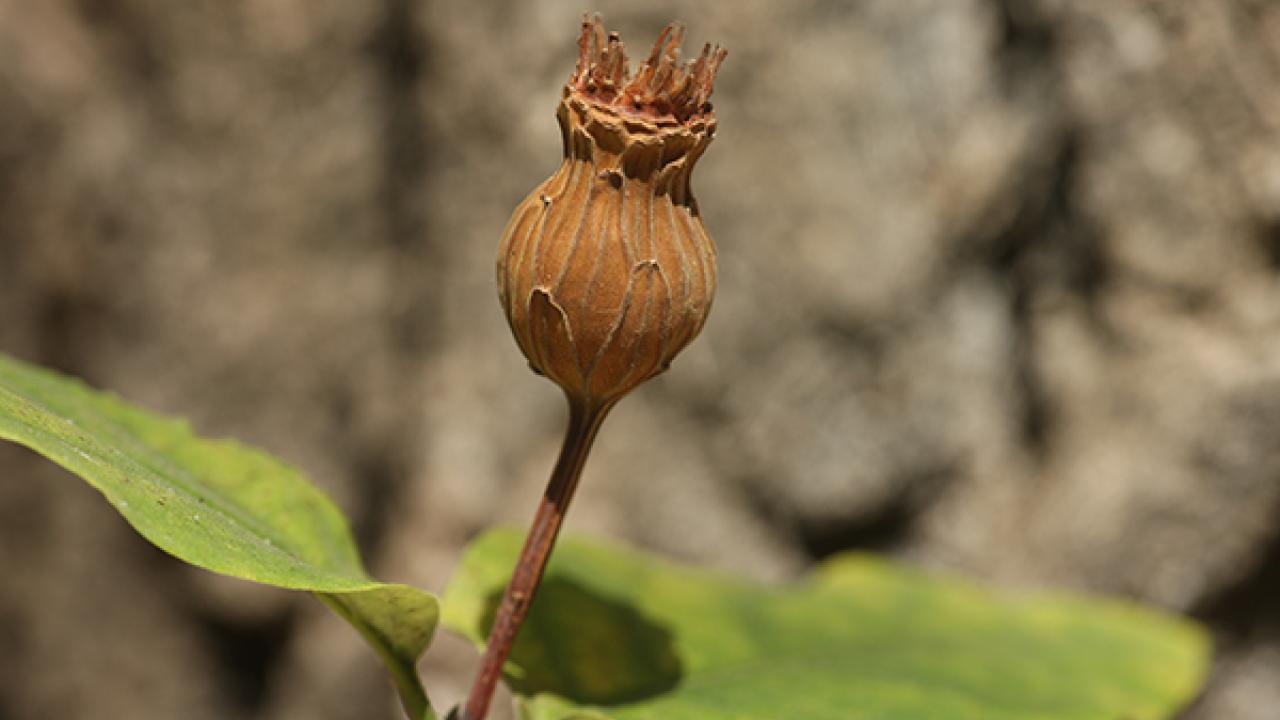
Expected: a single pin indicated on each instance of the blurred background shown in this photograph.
(1000, 295)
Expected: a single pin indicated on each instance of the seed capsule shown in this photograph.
(605, 270)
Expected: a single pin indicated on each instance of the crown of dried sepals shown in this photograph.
(605, 270)
(662, 87)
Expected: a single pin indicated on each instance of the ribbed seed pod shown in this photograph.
(605, 270)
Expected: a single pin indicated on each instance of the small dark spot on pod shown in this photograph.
(613, 177)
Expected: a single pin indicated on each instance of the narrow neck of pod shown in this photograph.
(585, 419)
(658, 153)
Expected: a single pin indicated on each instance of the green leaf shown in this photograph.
(218, 505)
(617, 634)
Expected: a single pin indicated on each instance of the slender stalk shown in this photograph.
(584, 423)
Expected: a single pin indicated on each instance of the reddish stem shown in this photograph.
(584, 423)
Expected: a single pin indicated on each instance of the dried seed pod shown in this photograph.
(605, 271)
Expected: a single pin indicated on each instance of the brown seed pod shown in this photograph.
(605, 270)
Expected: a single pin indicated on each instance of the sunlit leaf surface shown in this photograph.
(218, 505)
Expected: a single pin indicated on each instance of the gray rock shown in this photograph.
(998, 294)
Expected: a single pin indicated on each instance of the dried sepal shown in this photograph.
(661, 87)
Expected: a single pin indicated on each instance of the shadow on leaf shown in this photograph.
(588, 648)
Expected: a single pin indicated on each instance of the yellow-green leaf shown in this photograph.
(618, 634)
(218, 505)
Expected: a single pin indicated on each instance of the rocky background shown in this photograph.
(1000, 294)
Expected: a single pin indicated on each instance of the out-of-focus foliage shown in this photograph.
(620, 634)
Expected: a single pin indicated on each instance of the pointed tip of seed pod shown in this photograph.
(661, 87)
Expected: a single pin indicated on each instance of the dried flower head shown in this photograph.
(606, 271)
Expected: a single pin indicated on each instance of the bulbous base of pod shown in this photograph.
(605, 271)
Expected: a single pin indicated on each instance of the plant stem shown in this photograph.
(584, 423)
